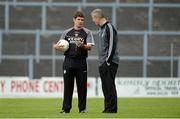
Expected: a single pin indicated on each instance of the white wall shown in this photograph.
(17, 87)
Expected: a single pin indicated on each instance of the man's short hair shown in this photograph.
(78, 14)
(98, 13)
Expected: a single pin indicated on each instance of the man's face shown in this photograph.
(96, 20)
(78, 22)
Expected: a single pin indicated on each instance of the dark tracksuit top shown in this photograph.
(72, 35)
(108, 44)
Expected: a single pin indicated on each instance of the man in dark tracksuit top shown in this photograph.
(108, 60)
(80, 41)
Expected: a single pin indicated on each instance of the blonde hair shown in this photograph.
(98, 13)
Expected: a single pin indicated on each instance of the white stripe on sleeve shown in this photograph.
(110, 41)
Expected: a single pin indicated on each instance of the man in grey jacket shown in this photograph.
(108, 59)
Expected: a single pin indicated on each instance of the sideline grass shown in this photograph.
(128, 108)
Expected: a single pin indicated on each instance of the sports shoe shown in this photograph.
(105, 111)
(63, 111)
(83, 111)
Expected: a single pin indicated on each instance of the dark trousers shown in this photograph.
(107, 74)
(75, 69)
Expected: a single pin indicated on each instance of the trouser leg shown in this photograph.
(81, 81)
(107, 74)
(68, 89)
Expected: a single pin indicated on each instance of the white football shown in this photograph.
(65, 44)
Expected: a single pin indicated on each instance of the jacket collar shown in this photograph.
(104, 24)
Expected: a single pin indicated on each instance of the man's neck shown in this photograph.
(103, 21)
(77, 28)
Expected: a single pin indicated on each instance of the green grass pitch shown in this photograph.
(128, 108)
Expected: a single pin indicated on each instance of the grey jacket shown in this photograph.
(108, 42)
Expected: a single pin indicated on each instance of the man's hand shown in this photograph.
(86, 46)
(58, 47)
